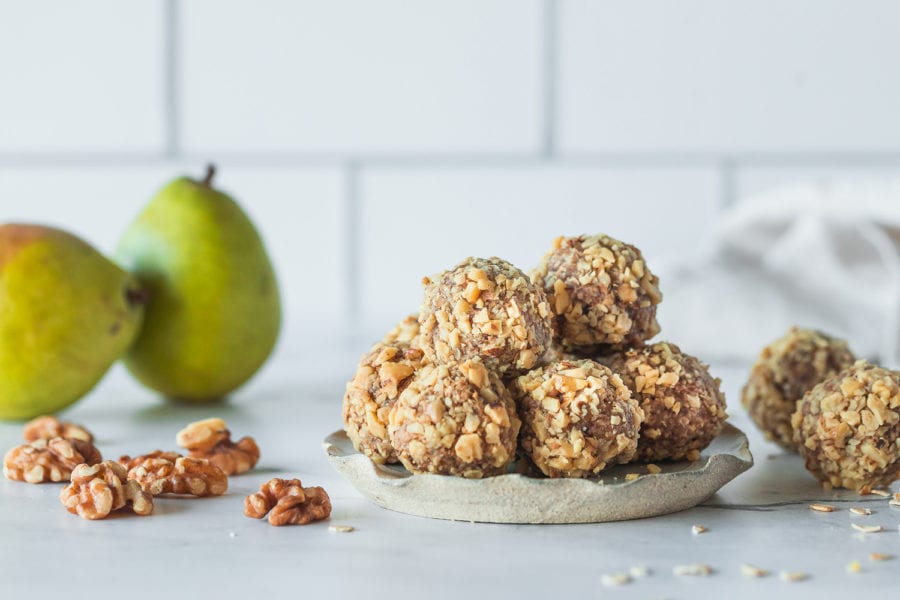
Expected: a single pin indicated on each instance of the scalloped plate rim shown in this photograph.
(572, 501)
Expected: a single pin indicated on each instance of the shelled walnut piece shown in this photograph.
(169, 473)
(97, 490)
(48, 460)
(210, 439)
(287, 502)
(48, 427)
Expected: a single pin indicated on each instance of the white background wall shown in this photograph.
(378, 141)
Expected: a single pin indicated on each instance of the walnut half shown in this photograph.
(97, 490)
(211, 439)
(48, 427)
(170, 473)
(48, 460)
(287, 502)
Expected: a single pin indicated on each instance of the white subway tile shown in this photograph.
(751, 181)
(299, 212)
(416, 222)
(81, 76)
(352, 76)
(741, 76)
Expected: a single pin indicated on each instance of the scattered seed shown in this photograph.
(878, 556)
(854, 567)
(653, 469)
(821, 507)
(698, 529)
(632, 476)
(867, 528)
(232, 534)
(697, 570)
(792, 576)
(638, 571)
(614, 579)
(896, 496)
(341, 528)
(861, 511)
(894, 502)
(881, 493)
(751, 571)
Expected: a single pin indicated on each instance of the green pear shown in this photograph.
(213, 313)
(66, 314)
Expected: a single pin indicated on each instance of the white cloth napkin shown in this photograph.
(820, 255)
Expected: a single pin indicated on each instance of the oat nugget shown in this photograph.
(847, 428)
(382, 374)
(684, 408)
(577, 418)
(487, 309)
(455, 420)
(601, 292)
(785, 370)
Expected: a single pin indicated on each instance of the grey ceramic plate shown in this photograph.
(516, 498)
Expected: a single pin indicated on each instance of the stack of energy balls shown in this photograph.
(808, 393)
(554, 366)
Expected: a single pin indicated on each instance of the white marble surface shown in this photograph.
(189, 548)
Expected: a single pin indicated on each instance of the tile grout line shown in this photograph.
(667, 159)
(728, 185)
(170, 86)
(549, 82)
(351, 246)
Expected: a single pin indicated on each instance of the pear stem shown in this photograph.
(137, 296)
(210, 173)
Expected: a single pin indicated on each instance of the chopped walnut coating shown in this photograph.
(601, 291)
(97, 490)
(287, 502)
(684, 407)
(48, 460)
(847, 428)
(382, 374)
(784, 371)
(485, 309)
(48, 427)
(455, 420)
(577, 418)
(169, 473)
(210, 439)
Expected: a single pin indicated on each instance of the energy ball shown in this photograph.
(577, 418)
(485, 308)
(455, 420)
(784, 371)
(601, 292)
(382, 374)
(847, 428)
(684, 409)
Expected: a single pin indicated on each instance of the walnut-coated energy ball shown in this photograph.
(485, 308)
(455, 419)
(785, 370)
(847, 428)
(577, 418)
(684, 408)
(601, 292)
(382, 374)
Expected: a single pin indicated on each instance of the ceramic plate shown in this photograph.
(515, 498)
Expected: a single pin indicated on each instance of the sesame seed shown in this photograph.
(751, 571)
(696, 570)
(614, 579)
(879, 556)
(854, 567)
(821, 507)
(861, 511)
(340, 528)
(698, 529)
(792, 576)
(867, 528)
